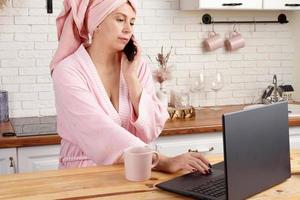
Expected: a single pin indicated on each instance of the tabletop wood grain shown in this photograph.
(108, 182)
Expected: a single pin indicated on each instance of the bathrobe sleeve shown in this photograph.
(87, 125)
(152, 113)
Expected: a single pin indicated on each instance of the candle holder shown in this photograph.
(181, 113)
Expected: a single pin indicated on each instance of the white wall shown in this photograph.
(296, 39)
(28, 40)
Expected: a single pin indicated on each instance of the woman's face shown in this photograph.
(117, 28)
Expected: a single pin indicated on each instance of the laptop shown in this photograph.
(256, 157)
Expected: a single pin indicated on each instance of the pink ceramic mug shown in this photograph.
(138, 162)
(213, 42)
(235, 41)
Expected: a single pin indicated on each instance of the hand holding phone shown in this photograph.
(130, 50)
(131, 59)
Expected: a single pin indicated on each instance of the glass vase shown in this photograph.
(162, 94)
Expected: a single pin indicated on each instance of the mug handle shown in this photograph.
(234, 33)
(156, 159)
(211, 34)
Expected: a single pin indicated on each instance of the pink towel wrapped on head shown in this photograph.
(93, 132)
(78, 20)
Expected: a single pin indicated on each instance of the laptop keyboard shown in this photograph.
(214, 187)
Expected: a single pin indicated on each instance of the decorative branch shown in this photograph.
(162, 59)
(2, 3)
(163, 72)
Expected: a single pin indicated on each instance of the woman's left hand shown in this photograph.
(188, 162)
(129, 68)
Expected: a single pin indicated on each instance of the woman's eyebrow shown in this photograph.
(120, 13)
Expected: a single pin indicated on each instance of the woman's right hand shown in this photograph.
(190, 162)
(130, 68)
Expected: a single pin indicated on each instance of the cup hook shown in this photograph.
(254, 24)
(213, 26)
(235, 27)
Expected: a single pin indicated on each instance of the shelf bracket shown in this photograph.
(49, 6)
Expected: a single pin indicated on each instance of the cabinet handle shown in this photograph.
(49, 6)
(12, 165)
(292, 4)
(202, 150)
(232, 4)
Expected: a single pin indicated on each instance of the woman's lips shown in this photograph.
(124, 40)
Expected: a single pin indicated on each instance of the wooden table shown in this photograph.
(108, 182)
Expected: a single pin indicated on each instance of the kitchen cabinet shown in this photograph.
(38, 158)
(206, 143)
(281, 4)
(240, 5)
(221, 4)
(46, 157)
(8, 161)
(295, 137)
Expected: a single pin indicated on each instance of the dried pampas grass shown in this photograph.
(163, 72)
(2, 3)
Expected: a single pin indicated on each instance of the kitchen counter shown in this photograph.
(108, 182)
(206, 120)
(13, 141)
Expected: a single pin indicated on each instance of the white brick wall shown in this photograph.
(28, 41)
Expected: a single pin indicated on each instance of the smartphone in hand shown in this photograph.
(130, 50)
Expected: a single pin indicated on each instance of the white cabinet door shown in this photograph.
(211, 143)
(221, 4)
(208, 143)
(8, 161)
(295, 137)
(31, 159)
(281, 4)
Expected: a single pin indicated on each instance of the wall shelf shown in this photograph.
(207, 19)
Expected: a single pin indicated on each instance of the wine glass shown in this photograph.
(216, 84)
(197, 86)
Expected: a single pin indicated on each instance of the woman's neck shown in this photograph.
(103, 58)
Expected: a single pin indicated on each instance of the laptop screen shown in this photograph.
(256, 149)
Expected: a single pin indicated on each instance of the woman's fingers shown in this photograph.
(203, 165)
(197, 166)
(201, 161)
(189, 168)
(201, 157)
(124, 59)
(138, 48)
(190, 161)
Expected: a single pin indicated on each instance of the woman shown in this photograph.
(105, 98)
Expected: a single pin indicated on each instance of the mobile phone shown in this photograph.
(130, 50)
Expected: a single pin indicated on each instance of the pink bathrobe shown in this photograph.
(92, 130)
